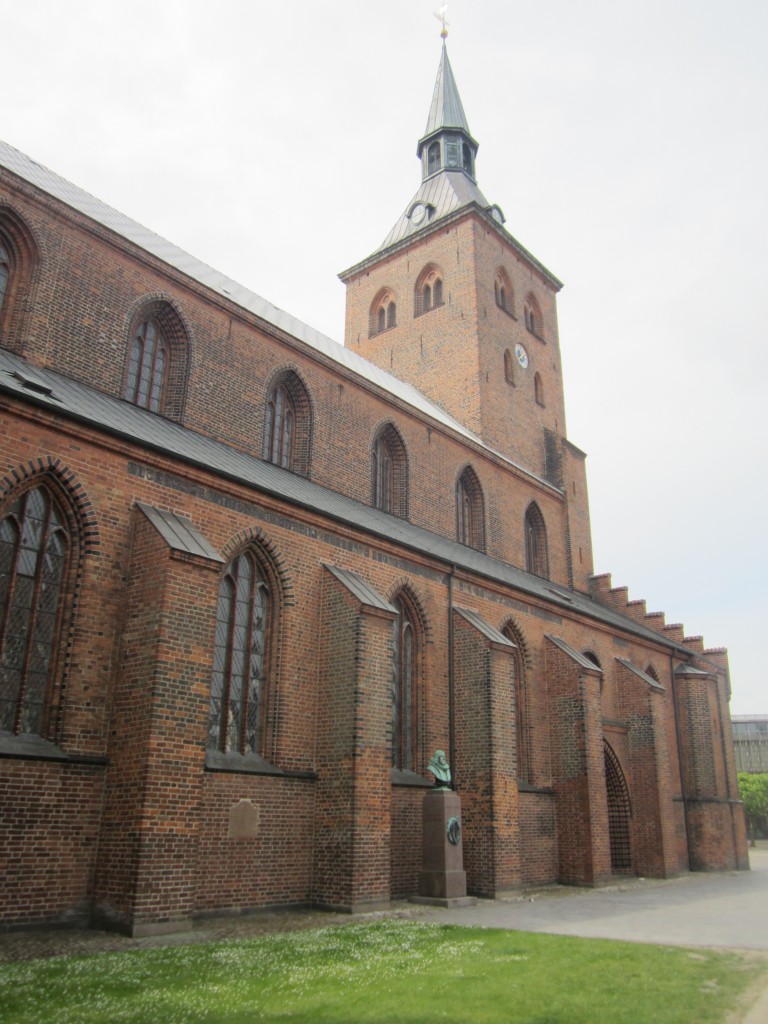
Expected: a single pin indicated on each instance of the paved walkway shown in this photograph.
(728, 910)
(723, 910)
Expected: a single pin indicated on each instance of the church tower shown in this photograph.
(453, 304)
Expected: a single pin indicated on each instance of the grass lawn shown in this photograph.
(397, 972)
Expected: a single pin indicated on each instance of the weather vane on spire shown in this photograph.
(440, 15)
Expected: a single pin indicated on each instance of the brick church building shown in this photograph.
(251, 579)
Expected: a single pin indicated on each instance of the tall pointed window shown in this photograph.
(536, 557)
(522, 711)
(147, 367)
(288, 424)
(19, 259)
(470, 526)
(238, 705)
(404, 687)
(279, 428)
(389, 476)
(34, 547)
(157, 360)
(5, 271)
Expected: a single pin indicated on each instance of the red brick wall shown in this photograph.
(50, 822)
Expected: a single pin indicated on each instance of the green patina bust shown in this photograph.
(438, 765)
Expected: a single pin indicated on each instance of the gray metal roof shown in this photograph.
(446, 110)
(445, 192)
(54, 185)
(653, 683)
(179, 533)
(574, 654)
(360, 589)
(483, 627)
(74, 400)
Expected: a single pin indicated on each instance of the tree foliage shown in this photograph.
(754, 794)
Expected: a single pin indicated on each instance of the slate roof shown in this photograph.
(72, 399)
(446, 109)
(488, 631)
(361, 589)
(54, 185)
(180, 533)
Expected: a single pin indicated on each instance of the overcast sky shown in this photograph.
(626, 143)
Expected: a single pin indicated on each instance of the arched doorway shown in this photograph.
(619, 812)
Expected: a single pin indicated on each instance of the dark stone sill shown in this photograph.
(26, 747)
(250, 764)
(401, 777)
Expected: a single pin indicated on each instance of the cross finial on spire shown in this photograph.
(440, 15)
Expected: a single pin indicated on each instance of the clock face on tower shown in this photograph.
(522, 355)
(418, 213)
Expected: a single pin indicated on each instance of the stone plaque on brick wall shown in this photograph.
(243, 820)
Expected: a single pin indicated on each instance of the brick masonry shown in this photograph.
(116, 814)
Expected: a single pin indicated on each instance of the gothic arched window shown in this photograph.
(470, 525)
(147, 367)
(5, 271)
(405, 672)
(34, 548)
(389, 472)
(158, 359)
(536, 556)
(239, 698)
(18, 264)
(288, 424)
(279, 428)
(522, 711)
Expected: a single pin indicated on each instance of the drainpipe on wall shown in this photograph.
(451, 710)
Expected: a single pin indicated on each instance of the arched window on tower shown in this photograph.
(429, 290)
(538, 389)
(237, 719)
(536, 556)
(502, 290)
(532, 315)
(389, 472)
(470, 516)
(288, 424)
(433, 157)
(405, 685)
(34, 550)
(383, 313)
(509, 367)
(467, 159)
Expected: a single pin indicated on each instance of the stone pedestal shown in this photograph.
(442, 880)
